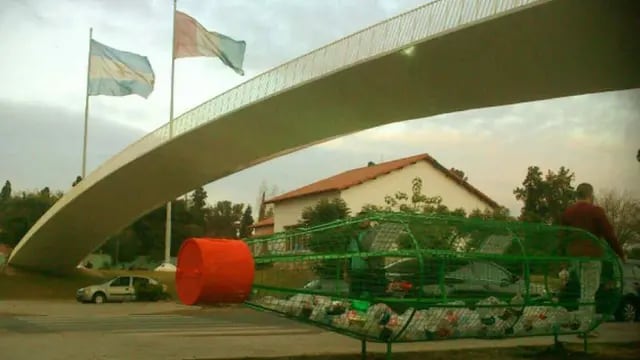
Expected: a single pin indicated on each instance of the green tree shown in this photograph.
(623, 210)
(265, 192)
(199, 198)
(19, 213)
(324, 211)
(149, 229)
(221, 219)
(370, 208)
(446, 233)
(416, 202)
(184, 224)
(123, 247)
(499, 213)
(330, 241)
(76, 181)
(198, 206)
(262, 208)
(147, 233)
(245, 222)
(5, 193)
(545, 198)
(46, 192)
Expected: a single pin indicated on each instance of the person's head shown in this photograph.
(584, 192)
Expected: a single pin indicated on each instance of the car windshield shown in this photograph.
(459, 270)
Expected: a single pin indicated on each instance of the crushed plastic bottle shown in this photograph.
(469, 323)
(517, 304)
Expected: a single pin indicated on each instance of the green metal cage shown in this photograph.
(398, 277)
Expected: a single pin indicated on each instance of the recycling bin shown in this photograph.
(399, 277)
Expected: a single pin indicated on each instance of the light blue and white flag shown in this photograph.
(118, 73)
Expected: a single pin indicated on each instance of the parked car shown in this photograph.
(331, 286)
(121, 289)
(464, 280)
(628, 308)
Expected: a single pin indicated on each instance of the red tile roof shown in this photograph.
(358, 176)
(264, 223)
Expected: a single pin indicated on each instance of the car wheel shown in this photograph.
(627, 311)
(99, 298)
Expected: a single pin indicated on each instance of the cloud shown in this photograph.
(51, 66)
(42, 146)
(44, 79)
(44, 46)
(595, 135)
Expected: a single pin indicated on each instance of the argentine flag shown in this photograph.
(118, 73)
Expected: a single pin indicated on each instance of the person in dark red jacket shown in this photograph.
(585, 215)
(592, 218)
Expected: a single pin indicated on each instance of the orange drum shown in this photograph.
(213, 271)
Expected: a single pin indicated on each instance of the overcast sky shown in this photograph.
(43, 59)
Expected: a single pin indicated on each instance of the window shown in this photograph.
(406, 266)
(140, 281)
(121, 281)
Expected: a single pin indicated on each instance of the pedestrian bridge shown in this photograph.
(443, 57)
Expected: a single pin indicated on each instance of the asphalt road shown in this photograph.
(158, 331)
(241, 322)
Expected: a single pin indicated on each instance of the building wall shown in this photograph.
(263, 230)
(434, 183)
(288, 212)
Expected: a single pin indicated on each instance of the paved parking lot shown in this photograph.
(72, 331)
(147, 319)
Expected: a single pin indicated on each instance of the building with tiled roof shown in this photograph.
(370, 184)
(263, 227)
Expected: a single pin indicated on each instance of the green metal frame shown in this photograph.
(437, 244)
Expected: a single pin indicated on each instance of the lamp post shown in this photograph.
(236, 225)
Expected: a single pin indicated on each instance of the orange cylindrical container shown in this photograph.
(214, 271)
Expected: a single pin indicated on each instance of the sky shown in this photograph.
(43, 62)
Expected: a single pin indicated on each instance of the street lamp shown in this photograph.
(236, 225)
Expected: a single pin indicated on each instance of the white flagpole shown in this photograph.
(167, 227)
(86, 110)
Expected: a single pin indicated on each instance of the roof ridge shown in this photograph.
(381, 170)
(356, 176)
